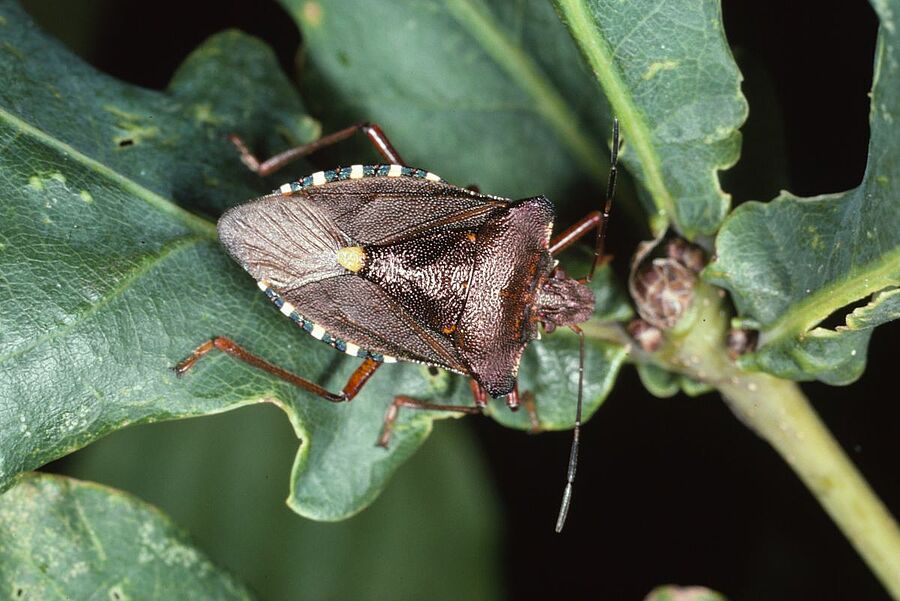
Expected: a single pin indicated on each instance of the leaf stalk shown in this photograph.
(782, 415)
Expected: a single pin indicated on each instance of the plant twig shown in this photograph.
(779, 412)
(782, 415)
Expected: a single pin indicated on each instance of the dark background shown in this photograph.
(670, 490)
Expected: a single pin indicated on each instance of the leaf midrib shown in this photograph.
(203, 230)
(531, 79)
(600, 58)
(860, 282)
(198, 224)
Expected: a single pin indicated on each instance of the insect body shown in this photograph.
(390, 263)
(396, 264)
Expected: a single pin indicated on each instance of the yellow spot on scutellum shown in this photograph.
(351, 258)
(312, 13)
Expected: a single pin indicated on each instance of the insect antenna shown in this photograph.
(610, 192)
(576, 436)
(598, 254)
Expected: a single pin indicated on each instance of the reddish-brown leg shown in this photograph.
(573, 234)
(372, 131)
(478, 393)
(512, 399)
(226, 345)
(390, 416)
(531, 409)
(594, 219)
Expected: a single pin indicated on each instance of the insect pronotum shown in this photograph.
(390, 263)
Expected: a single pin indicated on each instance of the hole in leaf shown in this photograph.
(839, 317)
(126, 142)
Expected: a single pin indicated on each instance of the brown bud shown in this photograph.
(663, 288)
(740, 341)
(689, 255)
(663, 291)
(648, 337)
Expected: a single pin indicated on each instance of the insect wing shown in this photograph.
(290, 242)
(355, 310)
(282, 241)
(385, 210)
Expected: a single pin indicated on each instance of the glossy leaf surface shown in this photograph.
(215, 478)
(487, 93)
(672, 592)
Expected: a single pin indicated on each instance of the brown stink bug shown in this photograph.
(389, 263)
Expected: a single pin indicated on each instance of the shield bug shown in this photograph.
(389, 263)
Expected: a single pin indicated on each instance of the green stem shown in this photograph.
(781, 414)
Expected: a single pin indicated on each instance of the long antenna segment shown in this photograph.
(598, 255)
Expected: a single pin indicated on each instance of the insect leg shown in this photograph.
(573, 234)
(390, 416)
(531, 409)
(372, 130)
(227, 345)
(594, 218)
(478, 393)
(514, 399)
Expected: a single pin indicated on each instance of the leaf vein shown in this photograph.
(533, 81)
(176, 245)
(194, 222)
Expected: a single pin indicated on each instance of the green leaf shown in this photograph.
(492, 93)
(214, 477)
(65, 539)
(664, 384)
(659, 381)
(884, 307)
(791, 263)
(670, 78)
(106, 283)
